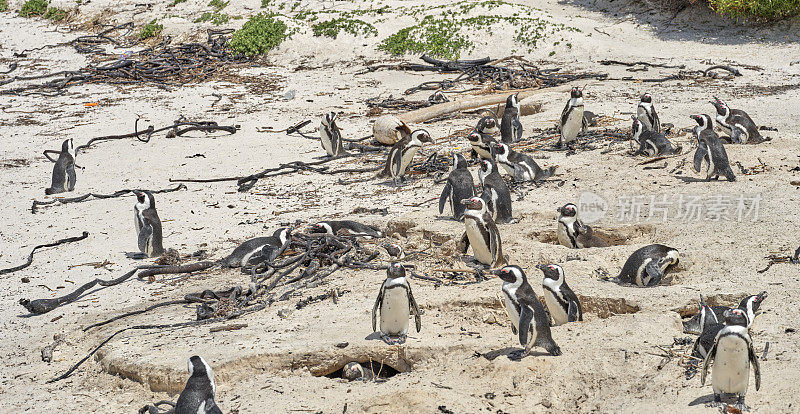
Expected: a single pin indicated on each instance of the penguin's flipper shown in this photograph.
(699, 155)
(144, 236)
(375, 309)
(513, 329)
(756, 366)
(584, 125)
(395, 162)
(463, 245)
(414, 309)
(525, 317)
(445, 195)
(709, 356)
(71, 177)
(654, 271)
(517, 129)
(729, 174)
(572, 312)
(212, 407)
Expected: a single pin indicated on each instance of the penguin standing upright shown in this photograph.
(459, 186)
(396, 303)
(198, 395)
(561, 301)
(528, 319)
(330, 135)
(495, 192)
(572, 119)
(710, 151)
(520, 166)
(510, 126)
(646, 113)
(63, 170)
(482, 234)
(711, 318)
(736, 123)
(646, 265)
(148, 225)
(403, 152)
(732, 354)
(650, 143)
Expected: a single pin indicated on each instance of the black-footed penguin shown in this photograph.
(241, 255)
(521, 167)
(330, 135)
(646, 113)
(394, 250)
(495, 192)
(403, 152)
(510, 126)
(561, 301)
(736, 123)
(568, 225)
(482, 234)
(649, 143)
(64, 170)
(527, 315)
(397, 304)
(198, 395)
(585, 237)
(732, 354)
(646, 266)
(481, 145)
(459, 186)
(487, 125)
(710, 318)
(346, 228)
(354, 371)
(704, 317)
(710, 151)
(572, 120)
(148, 225)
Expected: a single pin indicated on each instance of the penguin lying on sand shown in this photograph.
(346, 228)
(261, 247)
(520, 166)
(646, 266)
(649, 143)
(736, 123)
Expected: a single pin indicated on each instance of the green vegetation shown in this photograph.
(3, 5)
(55, 14)
(259, 34)
(215, 18)
(177, 2)
(760, 9)
(150, 30)
(265, 3)
(331, 28)
(218, 4)
(33, 8)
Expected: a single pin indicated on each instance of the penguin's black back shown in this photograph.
(655, 251)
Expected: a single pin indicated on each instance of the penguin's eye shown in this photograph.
(551, 267)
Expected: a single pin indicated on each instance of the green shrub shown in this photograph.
(3, 5)
(760, 9)
(55, 14)
(150, 30)
(176, 2)
(33, 8)
(215, 18)
(265, 3)
(218, 4)
(439, 37)
(331, 28)
(258, 35)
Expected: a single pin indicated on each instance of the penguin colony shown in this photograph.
(724, 336)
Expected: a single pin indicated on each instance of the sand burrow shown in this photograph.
(614, 236)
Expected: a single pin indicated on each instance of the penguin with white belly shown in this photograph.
(396, 303)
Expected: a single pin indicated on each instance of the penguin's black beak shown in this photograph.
(560, 209)
(541, 266)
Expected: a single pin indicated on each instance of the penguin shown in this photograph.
(482, 234)
(487, 125)
(394, 250)
(570, 227)
(528, 318)
(646, 266)
(710, 151)
(495, 192)
(646, 113)
(736, 123)
(732, 354)
(64, 170)
(330, 135)
(254, 247)
(520, 166)
(481, 145)
(713, 316)
(198, 395)
(403, 152)
(561, 301)
(354, 371)
(397, 304)
(704, 317)
(572, 119)
(148, 225)
(347, 228)
(459, 186)
(510, 126)
(649, 143)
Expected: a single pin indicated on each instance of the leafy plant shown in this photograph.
(760, 9)
(259, 34)
(150, 30)
(33, 8)
(176, 2)
(265, 3)
(55, 14)
(218, 4)
(215, 18)
(331, 28)
(436, 36)
(3, 5)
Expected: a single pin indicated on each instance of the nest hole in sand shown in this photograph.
(476, 310)
(379, 370)
(723, 299)
(613, 236)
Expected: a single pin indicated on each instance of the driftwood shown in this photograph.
(41, 246)
(37, 203)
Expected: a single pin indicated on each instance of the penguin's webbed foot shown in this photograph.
(740, 405)
(717, 401)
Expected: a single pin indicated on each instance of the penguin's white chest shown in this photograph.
(722, 124)
(556, 311)
(481, 151)
(731, 370)
(406, 158)
(394, 311)
(325, 138)
(573, 124)
(509, 167)
(564, 232)
(480, 250)
(512, 311)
